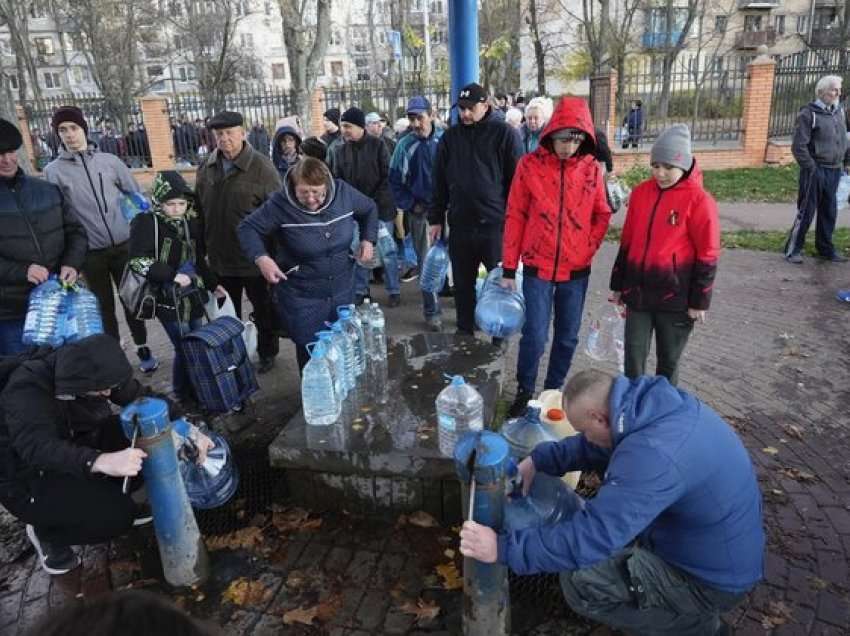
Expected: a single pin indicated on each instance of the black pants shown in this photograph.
(67, 510)
(815, 199)
(257, 290)
(101, 269)
(469, 248)
(672, 330)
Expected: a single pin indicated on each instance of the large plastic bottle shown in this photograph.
(525, 432)
(549, 501)
(213, 483)
(44, 322)
(494, 278)
(386, 243)
(343, 342)
(434, 268)
(460, 408)
(84, 318)
(378, 337)
(499, 312)
(321, 404)
(133, 203)
(355, 332)
(606, 335)
(337, 361)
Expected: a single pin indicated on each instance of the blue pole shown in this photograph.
(181, 548)
(487, 605)
(463, 46)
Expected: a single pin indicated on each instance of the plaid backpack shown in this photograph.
(218, 365)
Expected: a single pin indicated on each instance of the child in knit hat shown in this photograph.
(665, 268)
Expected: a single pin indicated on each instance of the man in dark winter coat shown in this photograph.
(259, 138)
(233, 181)
(62, 451)
(475, 164)
(363, 162)
(820, 147)
(40, 237)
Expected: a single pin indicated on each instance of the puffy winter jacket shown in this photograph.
(557, 210)
(38, 227)
(365, 164)
(669, 247)
(678, 479)
(473, 171)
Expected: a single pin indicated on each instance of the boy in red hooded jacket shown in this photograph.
(556, 219)
(664, 272)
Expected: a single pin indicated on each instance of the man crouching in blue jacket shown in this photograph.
(674, 536)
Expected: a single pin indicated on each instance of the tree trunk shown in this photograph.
(304, 63)
(539, 54)
(8, 112)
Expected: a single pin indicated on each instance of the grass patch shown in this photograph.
(769, 184)
(767, 241)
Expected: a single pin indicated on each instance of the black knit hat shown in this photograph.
(354, 116)
(332, 114)
(71, 114)
(169, 184)
(10, 137)
(314, 147)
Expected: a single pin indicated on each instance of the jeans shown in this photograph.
(541, 296)
(816, 196)
(391, 277)
(638, 592)
(672, 330)
(418, 222)
(181, 384)
(11, 335)
(470, 247)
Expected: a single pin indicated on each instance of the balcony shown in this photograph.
(826, 38)
(826, 3)
(659, 40)
(758, 4)
(755, 39)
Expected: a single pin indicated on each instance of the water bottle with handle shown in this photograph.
(337, 361)
(434, 268)
(346, 347)
(355, 333)
(133, 203)
(84, 318)
(386, 243)
(499, 312)
(378, 336)
(460, 409)
(319, 400)
(45, 320)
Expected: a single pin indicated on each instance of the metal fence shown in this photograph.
(705, 94)
(115, 130)
(390, 101)
(794, 83)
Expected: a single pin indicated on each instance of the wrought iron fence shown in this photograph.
(794, 83)
(112, 128)
(705, 94)
(390, 101)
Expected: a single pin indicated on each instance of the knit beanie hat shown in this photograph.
(170, 184)
(354, 116)
(314, 147)
(72, 114)
(10, 137)
(673, 147)
(332, 114)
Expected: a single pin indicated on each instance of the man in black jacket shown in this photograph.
(63, 453)
(363, 161)
(41, 236)
(475, 164)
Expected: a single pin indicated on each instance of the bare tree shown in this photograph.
(306, 34)
(14, 15)
(7, 112)
(677, 22)
(499, 24)
(534, 31)
(710, 43)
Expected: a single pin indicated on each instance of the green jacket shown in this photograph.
(225, 200)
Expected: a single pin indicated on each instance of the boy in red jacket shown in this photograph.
(664, 272)
(556, 219)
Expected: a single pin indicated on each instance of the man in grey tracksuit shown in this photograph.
(93, 183)
(821, 148)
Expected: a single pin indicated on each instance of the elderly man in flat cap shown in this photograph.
(233, 181)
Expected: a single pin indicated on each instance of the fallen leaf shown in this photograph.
(778, 613)
(134, 585)
(451, 577)
(356, 427)
(770, 450)
(295, 579)
(246, 538)
(243, 592)
(294, 520)
(130, 567)
(423, 610)
(796, 474)
(328, 608)
(794, 431)
(304, 616)
(422, 519)
(450, 553)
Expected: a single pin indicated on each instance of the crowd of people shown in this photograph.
(673, 537)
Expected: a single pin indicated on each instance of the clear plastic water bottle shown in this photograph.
(378, 338)
(386, 243)
(355, 333)
(84, 318)
(322, 406)
(434, 268)
(133, 203)
(45, 320)
(494, 279)
(337, 360)
(606, 336)
(549, 501)
(460, 409)
(212, 483)
(499, 312)
(344, 344)
(525, 432)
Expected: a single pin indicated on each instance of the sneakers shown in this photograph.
(520, 403)
(54, 559)
(434, 324)
(143, 515)
(796, 258)
(265, 365)
(835, 258)
(147, 361)
(394, 301)
(410, 275)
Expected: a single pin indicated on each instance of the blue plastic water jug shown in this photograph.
(133, 203)
(527, 431)
(83, 318)
(434, 269)
(213, 483)
(549, 501)
(499, 312)
(45, 320)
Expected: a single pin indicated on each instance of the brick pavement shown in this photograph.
(772, 359)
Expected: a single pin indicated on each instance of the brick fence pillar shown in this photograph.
(24, 127)
(155, 115)
(755, 118)
(317, 108)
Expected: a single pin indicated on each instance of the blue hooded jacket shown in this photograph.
(678, 477)
(411, 169)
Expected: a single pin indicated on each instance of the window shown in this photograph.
(752, 23)
(174, 8)
(385, 66)
(278, 71)
(803, 24)
(13, 81)
(779, 24)
(336, 69)
(720, 22)
(438, 36)
(44, 46)
(362, 66)
(717, 65)
(267, 8)
(191, 73)
(382, 37)
(38, 10)
(154, 71)
(5, 48)
(336, 38)
(52, 80)
(181, 73)
(825, 17)
(743, 61)
(179, 42)
(437, 7)
(81, 75)
(243, 7)
(658, 21)
(247, 40)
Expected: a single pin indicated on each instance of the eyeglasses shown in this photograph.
(572, 137)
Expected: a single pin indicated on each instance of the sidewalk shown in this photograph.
(772, 359)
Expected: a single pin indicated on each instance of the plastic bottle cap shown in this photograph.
(556, 415)
(535, 404)
(457, 380)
